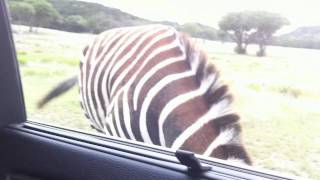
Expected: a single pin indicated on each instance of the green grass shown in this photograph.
(45, 59)
(63, 112)
(278, 96)
(39, 56)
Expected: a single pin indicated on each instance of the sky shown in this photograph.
(209, 12)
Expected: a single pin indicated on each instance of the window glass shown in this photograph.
(267, 53)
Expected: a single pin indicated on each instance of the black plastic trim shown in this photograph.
(191, 161)
(59, 158)
(156, 152)
(135, 153)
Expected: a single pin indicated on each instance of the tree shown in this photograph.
(265, 25)
(191, 28)
(210, 34)
(198, 30)
(45, 13)
(238, 26)
(101, 22)
(252, 27)
(21, 12)
(76, 23)
(222, 36)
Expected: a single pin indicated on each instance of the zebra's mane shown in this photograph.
(216, 90)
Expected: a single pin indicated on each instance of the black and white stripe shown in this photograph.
(151, 84)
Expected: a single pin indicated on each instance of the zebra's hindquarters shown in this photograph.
(151, 84)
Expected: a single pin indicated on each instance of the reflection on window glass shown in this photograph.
(157, 80)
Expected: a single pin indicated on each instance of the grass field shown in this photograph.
(278, 96)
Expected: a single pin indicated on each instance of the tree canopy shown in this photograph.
(21, 12)
(252, 27)
(265, 25)
(34, 13)
(238, 25)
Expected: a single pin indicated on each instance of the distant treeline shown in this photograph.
(310, 42)
(80, 16)
(86, 17)
(302, 37)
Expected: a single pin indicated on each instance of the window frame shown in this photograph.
(31, 131)
(12, 108)
(13, 123)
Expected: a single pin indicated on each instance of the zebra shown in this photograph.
(152, 84)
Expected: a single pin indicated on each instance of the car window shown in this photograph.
(233, 80)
